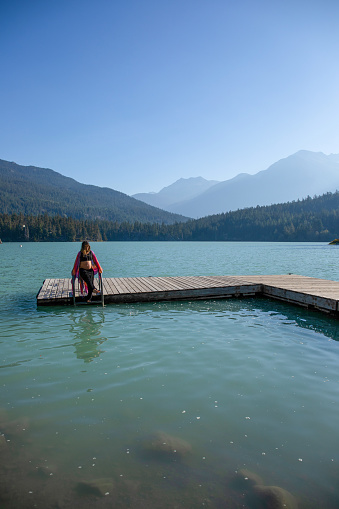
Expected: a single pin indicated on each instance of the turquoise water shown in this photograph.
(161, 405)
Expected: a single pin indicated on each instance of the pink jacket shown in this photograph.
(76, 270)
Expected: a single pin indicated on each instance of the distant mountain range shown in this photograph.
(300, 175)
(31, 190)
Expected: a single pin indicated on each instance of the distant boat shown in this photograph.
(334, 242)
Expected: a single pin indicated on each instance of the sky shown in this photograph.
(135, 94)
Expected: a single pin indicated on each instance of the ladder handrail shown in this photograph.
(101, 288)
(73, 289)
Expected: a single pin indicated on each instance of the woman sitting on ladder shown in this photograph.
(86, 265)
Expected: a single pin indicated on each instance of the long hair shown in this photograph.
(85, 246)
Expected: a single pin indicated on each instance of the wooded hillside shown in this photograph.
(312, 219)
(30, 190)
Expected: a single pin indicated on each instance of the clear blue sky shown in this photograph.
(134, 94)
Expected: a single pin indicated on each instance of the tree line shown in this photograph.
(311, 219)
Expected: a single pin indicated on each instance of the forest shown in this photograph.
(309, 220)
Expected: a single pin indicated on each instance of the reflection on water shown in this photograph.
(307, 319)
(86, 329)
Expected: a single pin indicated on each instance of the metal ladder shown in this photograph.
(101, 289)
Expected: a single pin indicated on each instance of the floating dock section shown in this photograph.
(304, 291)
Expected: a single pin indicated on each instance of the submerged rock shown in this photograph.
(96, 487)
(163, 445)
(260, 496)
(274, 497)
(246, 479)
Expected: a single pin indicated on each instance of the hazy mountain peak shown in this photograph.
(181, 190)
(297, 176)
(240, 176)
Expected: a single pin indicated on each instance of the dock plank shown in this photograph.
(146, 284)
(159, 284)
(110, 287)
(122, 284)
(140, 284)
(133, 285)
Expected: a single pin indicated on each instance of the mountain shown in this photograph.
(31, 190)
(300, 175)
(181, 190)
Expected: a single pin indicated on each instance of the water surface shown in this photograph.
(162, 404)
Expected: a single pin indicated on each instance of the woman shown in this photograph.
(86, 265)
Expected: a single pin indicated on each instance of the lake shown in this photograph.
(173, 404)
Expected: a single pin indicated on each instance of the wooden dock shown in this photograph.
(304, 291)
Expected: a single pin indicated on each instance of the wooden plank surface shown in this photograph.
(305, 291)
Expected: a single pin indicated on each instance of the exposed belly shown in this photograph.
(86, 265)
